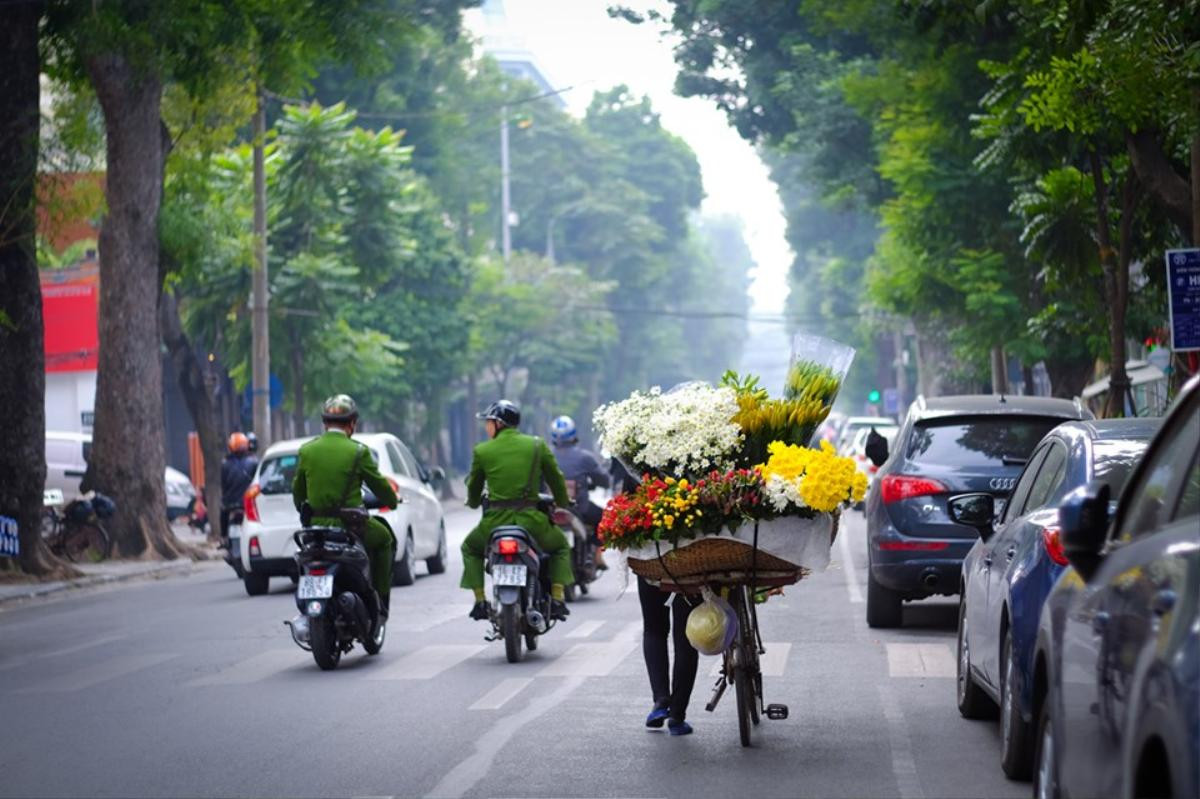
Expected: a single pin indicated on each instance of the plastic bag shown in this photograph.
(818, 368)
(712, 625)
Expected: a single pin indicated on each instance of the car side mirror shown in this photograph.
(974, 510)
(437, 476)
(877, 448)
(1083, 519)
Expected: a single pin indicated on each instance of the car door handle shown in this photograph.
(987, 560)
(1164, 602)
(1100, 622)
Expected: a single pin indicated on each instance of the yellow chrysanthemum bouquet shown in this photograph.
(797, 477)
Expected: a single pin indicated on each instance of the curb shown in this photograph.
(36, 590)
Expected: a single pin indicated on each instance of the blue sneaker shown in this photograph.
(679, 728)
(657, 717)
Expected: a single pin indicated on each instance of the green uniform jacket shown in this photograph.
(323, 473)
(504, 465)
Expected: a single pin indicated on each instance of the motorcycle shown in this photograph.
(521, 588)
(583, 553)
(337, 602)
(233, 553)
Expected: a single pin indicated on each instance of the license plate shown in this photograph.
(315, 587)
(508, 574)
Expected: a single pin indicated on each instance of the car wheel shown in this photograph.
(404, 571)
(437, 564)
(1015, 756)
(973, 703)
(256, 584)
(1045, 775)
(884, 606)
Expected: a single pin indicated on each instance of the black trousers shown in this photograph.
(670, 690)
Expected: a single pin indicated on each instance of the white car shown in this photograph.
(851, 427)
(265, 542)
(858, 449)
(66, 461)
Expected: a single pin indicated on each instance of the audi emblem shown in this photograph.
(1002, 483)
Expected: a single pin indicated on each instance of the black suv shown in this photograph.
(947, 446)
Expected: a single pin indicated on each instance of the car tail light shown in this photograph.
(913, 546)
(872, 469)
(395, 487)
(1052, 541)
(896, 487)
(250, 503)
(507, 546)
(255, 549)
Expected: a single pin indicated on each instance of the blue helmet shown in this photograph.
(562, 431)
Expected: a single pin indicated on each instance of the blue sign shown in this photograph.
(10, 543)
(1183, 291)
(891, 401)
(276, 396)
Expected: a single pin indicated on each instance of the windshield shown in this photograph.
(982, 441)
(276, 474)
(1114, 460)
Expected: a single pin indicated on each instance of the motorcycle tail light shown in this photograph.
(316, 572)
(255, 549)
(507, 546)
(561, 516)
(897, 487)
(1052, 541)
(250, 502)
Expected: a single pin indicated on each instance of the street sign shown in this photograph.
(10, 543)
(891, 401)
(1183, 293)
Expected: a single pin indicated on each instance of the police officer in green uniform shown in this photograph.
(330, 476)
(513, 467)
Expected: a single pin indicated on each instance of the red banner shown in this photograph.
(70, 304)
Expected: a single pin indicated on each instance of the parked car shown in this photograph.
(66, 461)
(858, 450)
(946, 446)
(1116, 681)
(266, 545)
(852, 425)
(1012, 567)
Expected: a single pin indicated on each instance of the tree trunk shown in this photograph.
(128, 458)
(200, 403)
(298, 414)
(1115, 268)
(1163, 183)
(1069, 375)
(1196, 172)
(22, 362)
(999, 371)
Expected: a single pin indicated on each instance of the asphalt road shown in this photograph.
(188, 687)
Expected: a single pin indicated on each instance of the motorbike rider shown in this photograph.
(513, 466)
(583, 468)
(330, 474)
(237, 472)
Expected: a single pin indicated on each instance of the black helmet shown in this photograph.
(339, 408)
(503, 411)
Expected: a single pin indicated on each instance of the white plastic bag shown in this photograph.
(712, 625)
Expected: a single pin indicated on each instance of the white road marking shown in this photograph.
(97, 673)
(422, 619)
(585, 629)
(852, 586)
(428, 662)
(590, 660)
(904, 767)
(70, 650)
(499, 696)
(920, 660)
(252, 669)
(467, 774)
(630, 632)
(772, 662)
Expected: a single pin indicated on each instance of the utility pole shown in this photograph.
(260, 388)
(505, 200)
(999, 371)
(901, 364)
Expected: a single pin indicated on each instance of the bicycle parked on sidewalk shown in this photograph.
(77, 531)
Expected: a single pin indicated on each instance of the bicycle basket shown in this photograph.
(79, 510)
(103, 505)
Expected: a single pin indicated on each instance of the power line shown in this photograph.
(402, 115)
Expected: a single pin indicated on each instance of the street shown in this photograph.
(188, 687)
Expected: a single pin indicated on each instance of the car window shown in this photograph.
(397, 459)
(276, 474)
(1145, 506)
(1047, 488)
(1189, 497)
(409, 461)
(1016, 501)
(1113, 462)
(977, 441)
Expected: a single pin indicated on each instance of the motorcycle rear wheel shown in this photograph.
(374, 644)
(323, 637)
(510, 624)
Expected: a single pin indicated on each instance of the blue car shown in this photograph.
(1116, 687)
(1011, 568)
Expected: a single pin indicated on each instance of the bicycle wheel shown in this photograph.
(49, 525)
(748, 632)
(745, 670)
(86, 543)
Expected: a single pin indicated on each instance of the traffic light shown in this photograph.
(873, 397)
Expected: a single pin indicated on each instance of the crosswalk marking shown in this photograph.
(428, 662)
(771, 663)
(252, 669)
(422, 619)
(920, 660)
(590, 660)
(585, 629)
(504, 691)
(97, 673)
(70, 650)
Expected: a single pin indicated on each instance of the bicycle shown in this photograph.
(78, 532)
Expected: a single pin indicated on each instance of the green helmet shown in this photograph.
(339, 408)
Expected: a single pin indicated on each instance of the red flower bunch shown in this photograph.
(733, 495)
(628, 519)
